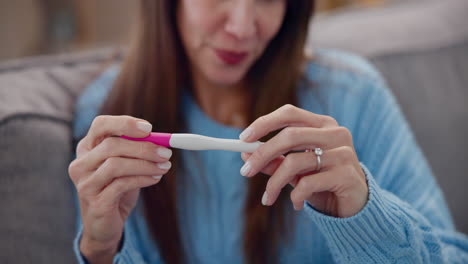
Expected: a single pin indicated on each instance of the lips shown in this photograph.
(231, 57)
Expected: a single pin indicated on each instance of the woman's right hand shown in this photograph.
(108, 174)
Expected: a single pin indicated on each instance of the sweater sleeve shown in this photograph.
(126, 255)
(405, 219)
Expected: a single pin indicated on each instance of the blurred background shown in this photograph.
(34, 27)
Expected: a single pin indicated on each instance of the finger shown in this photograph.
(332, 181)
(105, 126)
(294, 166)
(116, 167)
(113, 192)
(119, 147)
(287, 115)
(271, 167)
(297, 138)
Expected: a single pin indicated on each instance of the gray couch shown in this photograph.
(429, 78)
(36, 111)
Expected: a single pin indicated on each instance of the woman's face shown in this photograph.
(223, 38)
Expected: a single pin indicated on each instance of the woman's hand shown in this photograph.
(108, 174)
(338, 189)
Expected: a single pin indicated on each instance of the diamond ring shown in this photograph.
(318, 152)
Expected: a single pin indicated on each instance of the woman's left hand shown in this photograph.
(338, 189)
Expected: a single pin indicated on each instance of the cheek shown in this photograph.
(195, 23)
(270, 21)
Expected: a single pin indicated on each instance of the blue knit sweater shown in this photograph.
(405, 219)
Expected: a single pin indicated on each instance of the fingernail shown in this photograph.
(297, 208)
(144, 126)
(245, 169)
(265, 198)
(165, 165)
(246, 134)
(157, 177)
(164, 152)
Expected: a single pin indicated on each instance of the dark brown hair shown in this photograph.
(149, 86)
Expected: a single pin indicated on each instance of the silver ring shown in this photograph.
(318, 152)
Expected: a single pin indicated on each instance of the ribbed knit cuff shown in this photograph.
(76, 247)
(364, 237)
(126, 255)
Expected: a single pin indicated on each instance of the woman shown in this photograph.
(336, 148)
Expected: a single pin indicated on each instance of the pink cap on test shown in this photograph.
(161, 139)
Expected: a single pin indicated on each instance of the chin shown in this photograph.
(227, 77)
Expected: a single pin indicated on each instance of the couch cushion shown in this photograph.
(36, 108)
(48, 85)
(431, 88)
(397, 26)
(36, 206)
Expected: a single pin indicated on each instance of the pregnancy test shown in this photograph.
(198, 142)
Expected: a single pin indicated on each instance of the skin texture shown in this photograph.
(234, 25)
(108, 174)
(109, 171)
(338, 189)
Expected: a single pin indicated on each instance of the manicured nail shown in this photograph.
(265, 198)
(144, 126)
(245, 169)
(165, 165)
(164, 152)
(157, 177)
(246, 134)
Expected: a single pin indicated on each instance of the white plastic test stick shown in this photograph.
(199, 142)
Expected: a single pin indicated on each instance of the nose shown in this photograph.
(241, 21)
